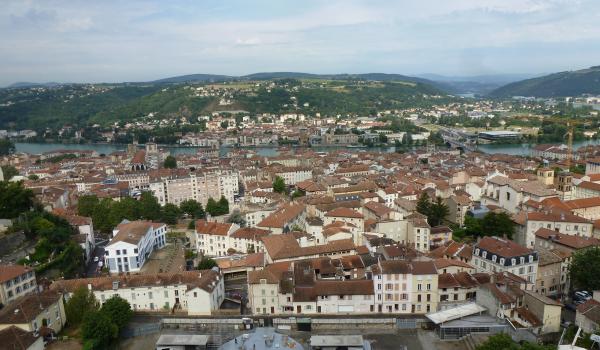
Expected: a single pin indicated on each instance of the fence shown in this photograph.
(141, 330)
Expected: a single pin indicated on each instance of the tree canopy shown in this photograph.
(585, 269)
(81, 302)
(435, 211)
(170, 162)
(503, 341)
(14, 199)
(279, 185)
(206, 263)
(215, 208)
(6, 147)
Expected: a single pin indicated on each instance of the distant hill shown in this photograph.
(299, 75)
(88, 104)
(194, 78)
(570, 83)
(25, 84)
(476, 84)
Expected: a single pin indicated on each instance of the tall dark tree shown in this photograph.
(223, 205)
(212, 207)
(119, 311)
(424, 204)
(170, 213)
(6, 147)
(192, 208)
(86, 205)
(149, 207)
(585, 269)
(279, 185)
(8, 171)
(170, 162)
(497, 224)
(81, 302)
(98, 330)
(14, 199)
(206, 263)
(437, 212)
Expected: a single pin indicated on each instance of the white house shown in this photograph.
(132, 244)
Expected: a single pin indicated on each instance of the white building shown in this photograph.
(197, 292)
(132, 244)
(494, 254)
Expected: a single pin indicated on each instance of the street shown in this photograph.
(92, 267)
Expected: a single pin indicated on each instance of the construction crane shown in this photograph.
(569, 144)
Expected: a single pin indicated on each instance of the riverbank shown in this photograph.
(107, 148)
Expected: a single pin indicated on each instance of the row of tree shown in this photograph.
(100, 326)
(106, 213)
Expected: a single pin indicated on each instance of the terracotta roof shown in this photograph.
(8, 272)
(249, 260)
(27, 308)
(502, 247)
(591, 310)
(423, 268)
(528, 316)
(344, 212)
(377, 208)
(393, 267)
(283, 215)
(15, 338)
(212, 228)
(202, 279)
(286, 246)
(571, 241)
(441, 263)
(250, 233)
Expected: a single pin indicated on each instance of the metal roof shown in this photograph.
(455, 313)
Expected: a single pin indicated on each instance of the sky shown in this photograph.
(135, 40)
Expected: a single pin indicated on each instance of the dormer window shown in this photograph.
(522, 260)
(477, 251)
(501, 261)
(493, 258)
(484, 254)
(531, 258)
(513, 261)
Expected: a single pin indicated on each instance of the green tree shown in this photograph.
(497, 224)
(86, 205)
(98, 330)
(437, 212)
(170, 213)
(81, 302)
(6, 147)
(101, 215)
(170, 162)
(33, 177)
(223, 206)
(127, 208)
(424, 204)
(206, 263)
(212, 207)
(192, 208)
(118, 310)
(585, 269)
(8, 171)
(14, 199)
(149, 207)
(279, 185)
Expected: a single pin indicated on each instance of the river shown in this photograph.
(39, 148)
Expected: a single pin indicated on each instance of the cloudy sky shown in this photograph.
(134, 40)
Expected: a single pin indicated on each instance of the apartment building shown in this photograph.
(511, 194)
(287, 217)
(15, 282)
(393, 288)
(529, 222)
(424, 294)
(193, 292)
(132, 244)
(494, 254)
(177, 187)
(221, 239)
(293, 175)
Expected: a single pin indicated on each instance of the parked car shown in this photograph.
(96, 259)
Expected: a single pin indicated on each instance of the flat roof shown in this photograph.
(474, 322)
(455, 313)
(337, 340)
(182, 339)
